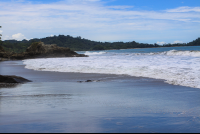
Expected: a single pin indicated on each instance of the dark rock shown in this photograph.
(88, 81)
(12, 79)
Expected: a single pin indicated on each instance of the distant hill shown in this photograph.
(81, 44)
(194, 42)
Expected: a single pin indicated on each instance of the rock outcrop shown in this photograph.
(11, 81)
(36, 50)
(40, 50)
(89, 81)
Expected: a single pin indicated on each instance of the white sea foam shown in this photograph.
(94, 53)
(183, 53)
(183, 69)
(173, 53)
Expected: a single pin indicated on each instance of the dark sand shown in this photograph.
(56, 102)
(18, 68)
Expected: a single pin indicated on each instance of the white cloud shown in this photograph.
(161, 43)
(185, 9)
(18, 36)
(120, 7)
(177, 41)
(91, 18)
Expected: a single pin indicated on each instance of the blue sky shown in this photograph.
(144, 21)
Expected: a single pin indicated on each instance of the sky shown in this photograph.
(143, 21)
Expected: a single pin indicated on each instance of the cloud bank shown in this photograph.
(18, 36)
(92, 19)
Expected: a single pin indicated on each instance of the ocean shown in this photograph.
(174, 65)
(149, 90)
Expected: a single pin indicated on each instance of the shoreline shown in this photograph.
(57, 102)
(18, 69)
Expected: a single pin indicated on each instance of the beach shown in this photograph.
(59, 102)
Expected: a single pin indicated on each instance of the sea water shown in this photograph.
(53, 103)
(175, 65)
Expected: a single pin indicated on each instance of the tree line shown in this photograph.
(81, 44)
(0, 38)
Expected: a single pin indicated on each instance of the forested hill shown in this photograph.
(74, 43)
(81, 44)
(194, 42)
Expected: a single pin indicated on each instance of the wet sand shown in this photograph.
(56, 102)
(18, 68)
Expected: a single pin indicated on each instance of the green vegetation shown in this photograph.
(34, 46)
(0, 38)
(81, 44)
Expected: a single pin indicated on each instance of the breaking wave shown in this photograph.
(94, 53)
(182, 53)
(175, 67)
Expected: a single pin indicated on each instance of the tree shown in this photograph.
(98, 47)
(0, 38)
(0, 34)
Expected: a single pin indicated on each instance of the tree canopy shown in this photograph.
(81, 44)
(0, 34)
(0, 38)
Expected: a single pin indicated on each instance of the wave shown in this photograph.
(182, 53)
(175, 67)
(94, 53)
(173, 53)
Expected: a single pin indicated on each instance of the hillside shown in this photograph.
(81, 44)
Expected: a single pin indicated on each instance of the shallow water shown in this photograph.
(128, 105)
(56, 102)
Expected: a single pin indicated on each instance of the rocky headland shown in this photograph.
(39, 50)
(35, 50)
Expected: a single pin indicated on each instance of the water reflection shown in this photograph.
(128, 106)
